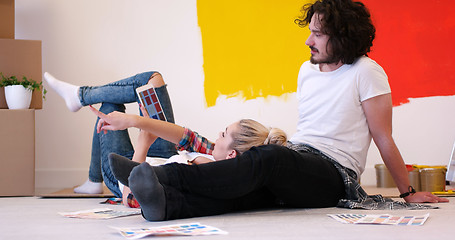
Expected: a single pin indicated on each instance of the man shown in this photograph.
(337, 40)
(344, 102)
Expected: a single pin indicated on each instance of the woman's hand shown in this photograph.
(113, 120)
(424, 197)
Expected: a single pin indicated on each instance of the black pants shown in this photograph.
(260, 177)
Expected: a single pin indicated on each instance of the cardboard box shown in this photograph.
(7, 19)
(21, 58)
(17, 152)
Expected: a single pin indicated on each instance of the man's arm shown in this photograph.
(378, 111)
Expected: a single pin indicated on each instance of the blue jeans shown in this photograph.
(264, 176)
(113, 96)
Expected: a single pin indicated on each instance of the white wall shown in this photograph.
(88, 42)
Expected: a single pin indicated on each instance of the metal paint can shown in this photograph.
(383, 177)
(414, 178)
(432, 179)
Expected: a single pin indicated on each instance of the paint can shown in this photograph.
(414, 177)
(383, 177)
(432, 179)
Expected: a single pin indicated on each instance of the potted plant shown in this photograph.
(18, 94)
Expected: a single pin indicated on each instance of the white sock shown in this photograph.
(90, 187)
(67, 91)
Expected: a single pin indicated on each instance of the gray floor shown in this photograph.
(38, 218)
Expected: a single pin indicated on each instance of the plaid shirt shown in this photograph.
(193, 142)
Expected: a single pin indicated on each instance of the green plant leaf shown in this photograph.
(26, 83)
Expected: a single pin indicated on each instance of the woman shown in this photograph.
(237, 138)
(158, 138)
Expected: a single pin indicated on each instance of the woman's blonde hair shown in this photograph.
(253, 134)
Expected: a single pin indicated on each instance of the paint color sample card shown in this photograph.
(191, 229)
(150, 101)
(100, 213)
(384, 219)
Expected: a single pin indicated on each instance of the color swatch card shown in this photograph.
(384, 219)
(150, 101)
(100, 213)
(191, 229)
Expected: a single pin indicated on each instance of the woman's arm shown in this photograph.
(378, 111)
(120, 121)
(184, 138)
(145, 140)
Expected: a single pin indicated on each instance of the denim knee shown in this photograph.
(111, 107)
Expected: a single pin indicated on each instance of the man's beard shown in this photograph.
(326, 60)
(329, 59)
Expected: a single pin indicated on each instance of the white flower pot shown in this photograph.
(18, 97)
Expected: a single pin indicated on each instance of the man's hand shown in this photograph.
(424, 197)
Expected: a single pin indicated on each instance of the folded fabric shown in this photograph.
(377, 202)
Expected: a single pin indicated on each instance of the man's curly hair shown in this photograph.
(348, 25)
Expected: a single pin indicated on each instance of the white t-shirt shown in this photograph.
(331, 118)
(183, 157)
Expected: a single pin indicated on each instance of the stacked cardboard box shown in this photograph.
(7, 19)
(17, 149)
(17, 127)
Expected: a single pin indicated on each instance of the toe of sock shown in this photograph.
(121, 167)
(148, 192)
